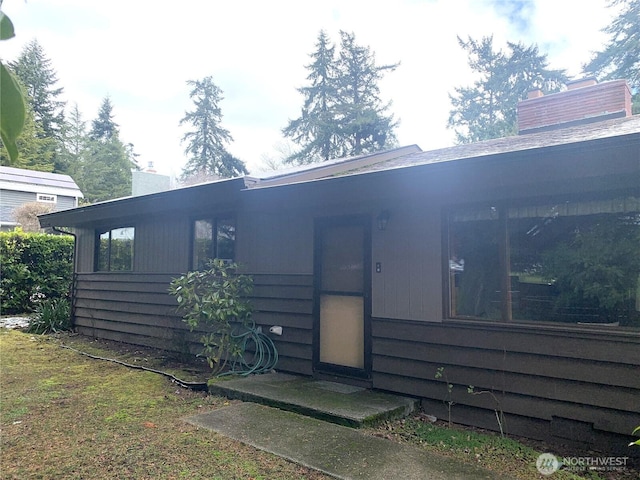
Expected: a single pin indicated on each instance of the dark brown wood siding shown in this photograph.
(85, 248)
(128, 307)
(137, 309)
(162, 245)
(287, 301)
(539, 375)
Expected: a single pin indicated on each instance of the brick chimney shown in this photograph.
(584, 101)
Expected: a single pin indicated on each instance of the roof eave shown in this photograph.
(167, 201)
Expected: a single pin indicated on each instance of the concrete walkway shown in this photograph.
(308, 428)
(335, 450)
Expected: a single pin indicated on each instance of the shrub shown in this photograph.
(35, 266)
(51, 316)
(27, 215)
(215, 300)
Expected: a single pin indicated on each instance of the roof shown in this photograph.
(401, 158)
(608, 129)
(328, 168)
(192, 197)
(19, 179)
(224, 189)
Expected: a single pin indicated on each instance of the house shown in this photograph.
(144, 182)
(19, 186)
(385, 268)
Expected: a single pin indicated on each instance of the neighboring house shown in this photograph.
(19, 186)
(148, 181)
(383, 268)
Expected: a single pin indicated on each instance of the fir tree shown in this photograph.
(36, 150)
(75, 141)
(364, 125)
(105, 165)
(621, 56)
(343, 113)
(104, 127)
(488, 108)
(206, 151)
(314, 129)
(35, 72)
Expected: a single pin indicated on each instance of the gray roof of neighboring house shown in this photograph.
(41, 182)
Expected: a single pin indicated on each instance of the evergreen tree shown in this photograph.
(106, 172)
(342, 114)
(363, 124)
(35, 73)
(75, 141)
(104, 127)
(34, 70)
(314, 129)
(35, 149)
(488, 108)
(104, 169)
(621, 56)
(205, 149)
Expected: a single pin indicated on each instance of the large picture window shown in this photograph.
(213, 238)
(115, 250)
(568, 261)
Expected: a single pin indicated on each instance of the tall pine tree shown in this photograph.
(75, 141)
(36, 74)
(488, 108)
(36, 149)
(314, 129)
(364, 125)
(621, 56)
(105, 168)
(104, 127)
(343, 113)
(34, 70)
(206, 151)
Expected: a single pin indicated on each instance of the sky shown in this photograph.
(141, 53)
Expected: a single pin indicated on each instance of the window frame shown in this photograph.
(97, 234)
(53, 201)
(215, 220)
(502, 206)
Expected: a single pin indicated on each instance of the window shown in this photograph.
(46, 198)
(213, 238)
(568, 261)
(115, 250)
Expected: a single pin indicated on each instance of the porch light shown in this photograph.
(383, 219)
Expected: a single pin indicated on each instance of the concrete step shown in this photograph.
(329, 401)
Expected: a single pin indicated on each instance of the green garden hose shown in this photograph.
(265, 354)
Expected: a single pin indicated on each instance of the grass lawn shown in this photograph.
(66, 416)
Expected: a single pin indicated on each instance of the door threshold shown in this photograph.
(346, 379)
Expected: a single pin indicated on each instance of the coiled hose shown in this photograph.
(265, 354)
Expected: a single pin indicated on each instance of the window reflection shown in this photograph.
(576, 262)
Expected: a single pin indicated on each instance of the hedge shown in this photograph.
(35, 266)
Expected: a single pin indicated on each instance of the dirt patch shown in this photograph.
(189, 368)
